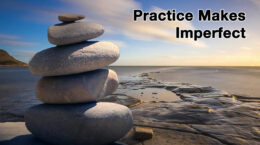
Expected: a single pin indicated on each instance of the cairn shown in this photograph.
(73, 80)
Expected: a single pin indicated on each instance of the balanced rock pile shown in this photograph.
(72, 82)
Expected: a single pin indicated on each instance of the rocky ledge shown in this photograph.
(199, 114)
(178, 113)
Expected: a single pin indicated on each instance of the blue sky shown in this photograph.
(24, 25)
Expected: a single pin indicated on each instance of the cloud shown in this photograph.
(117, 16)
(166, 56)
(22, 52)
(120, 44)
(156, 60)
(12, 40)
(257, 2)
(246, 48)
(7, 37)
(227, 59)
(16, 43)
(253, 2)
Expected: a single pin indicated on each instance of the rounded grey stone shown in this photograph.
(72, 59)
(70, 33)
(70, 17)
(79, 124)
(79, 88)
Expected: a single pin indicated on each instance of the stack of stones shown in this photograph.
(72, 83)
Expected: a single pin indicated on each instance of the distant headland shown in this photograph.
(8, 60)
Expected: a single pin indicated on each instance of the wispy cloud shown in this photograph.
(22, 52)
(16, 43)
(166, 56)
(254, 2)
(117, 16)
(11, 40)
(257, 2)
(246, 48)
(120, 44)
(7, 37)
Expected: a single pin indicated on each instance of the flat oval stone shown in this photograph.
(79, 124)
(72, 59)
(79, 88)
(70, 33)
(70, 17)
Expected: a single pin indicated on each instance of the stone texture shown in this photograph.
(72, 59)
(79, 88)
(80, 124)
(70, 17)
(69, 33)
(142, 133)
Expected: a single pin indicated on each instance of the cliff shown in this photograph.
(8, 60)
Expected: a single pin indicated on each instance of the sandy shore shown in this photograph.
(179, 113)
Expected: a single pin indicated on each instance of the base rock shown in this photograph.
(93, 123)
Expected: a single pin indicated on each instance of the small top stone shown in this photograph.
(70, 17)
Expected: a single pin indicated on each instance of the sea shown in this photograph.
(243, 81)
(17, 84)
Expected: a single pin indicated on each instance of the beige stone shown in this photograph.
(142, 133)
(70, 33)
(70, 17)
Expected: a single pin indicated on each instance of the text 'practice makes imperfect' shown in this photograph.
(206, 15)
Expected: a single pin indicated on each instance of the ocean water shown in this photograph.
(17, 85)
(244, 81)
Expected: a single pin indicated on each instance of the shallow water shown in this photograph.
(151, 94)
(243, 81)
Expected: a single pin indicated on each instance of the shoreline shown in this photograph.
(13, 66)
(237, 96)
(238, 81)
(149, 85)
(178, 111)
